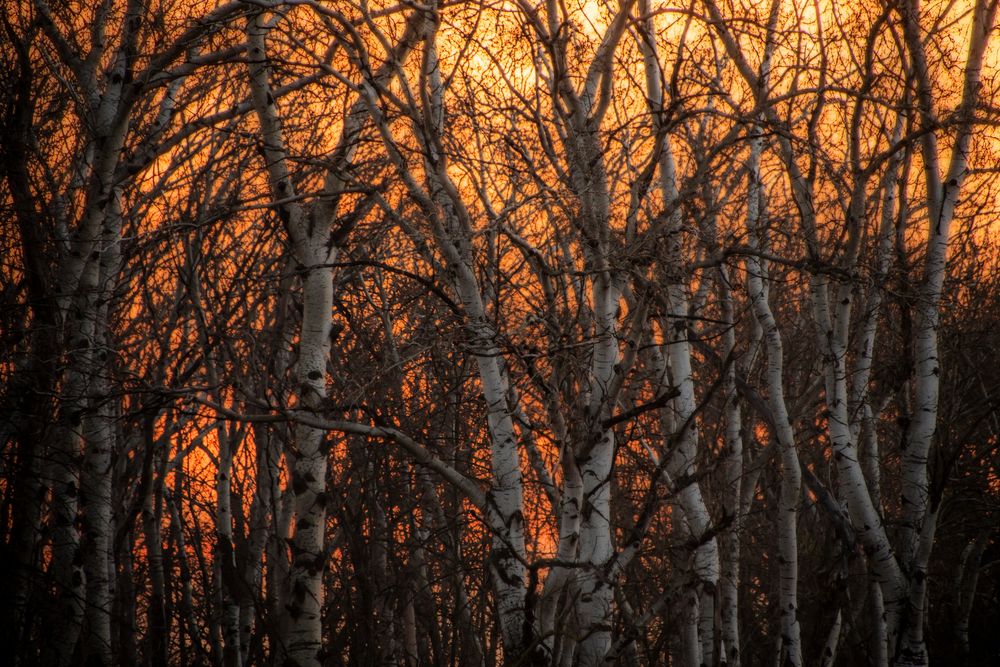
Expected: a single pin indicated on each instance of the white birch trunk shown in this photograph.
(66, 568)
(452, 227)
(96, 479)
(791, 484)
(707, 566)
(78, 295)
(733, 478)
(596, 454)
(67, 565)
(942, 198)
(879, 638)
(829, 657)
(96, 489)
(225, 553)
(156, 620)
(912, 649)
(594, 590)
(308, 478)
(303, 605)
(505, 499)
(966, 581)
(559, 578)
(315, 250)
(919, 516)
(263, 519)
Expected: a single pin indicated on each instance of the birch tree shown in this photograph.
(614, 333)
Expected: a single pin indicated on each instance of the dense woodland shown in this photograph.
(521, 332)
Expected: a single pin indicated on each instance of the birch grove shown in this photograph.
(521, 333)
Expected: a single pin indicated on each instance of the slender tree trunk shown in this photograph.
(595, 592)
(879, 638)
(919, 511)
(125, 607)
(315, 249)
(965, 587)
(452, 228)
(188, 624)
(96, 490)
(912, 648)
(733, 475)
(471, 647)
(156, 618)
(559, 579)
(303, 632)
(262, 520)
(67, 565)
(225, 553)
(707, 565)
(791, 484)
(829, 656)
(96, 480)
(308, 478)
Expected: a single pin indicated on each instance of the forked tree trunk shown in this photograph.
(315, 249)
(919, 508)
(303, 631)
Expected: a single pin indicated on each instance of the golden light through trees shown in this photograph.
(477, 333)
